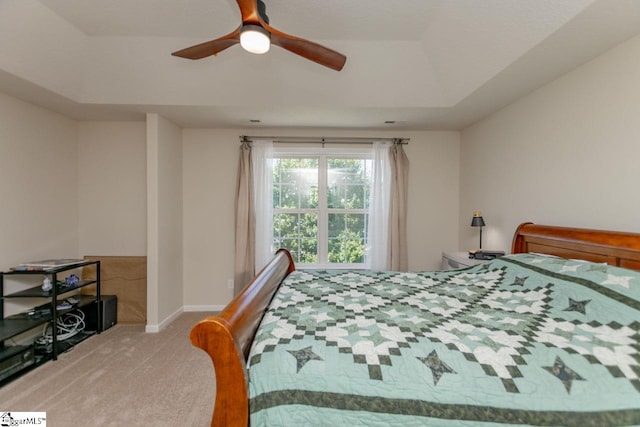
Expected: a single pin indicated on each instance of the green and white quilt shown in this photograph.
(522, 340)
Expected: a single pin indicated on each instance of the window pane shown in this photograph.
(348, 183)
(308, 251)
(337, 224)
(295, 183)
(347, 237)
(302, 250)
(298, 233)
(295, 225)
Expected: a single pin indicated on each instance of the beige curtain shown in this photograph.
(245, 222)
(397, 258)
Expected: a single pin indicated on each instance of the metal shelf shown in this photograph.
(34, 270)
(20, 323)
(10, 327)
(37, 292)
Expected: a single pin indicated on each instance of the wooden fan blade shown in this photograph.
(307, 49)
(249, 11)
(212, 47)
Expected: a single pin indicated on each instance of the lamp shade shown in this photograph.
(255, 39)
(477, 220)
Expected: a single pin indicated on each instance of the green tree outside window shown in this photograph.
(302, 209)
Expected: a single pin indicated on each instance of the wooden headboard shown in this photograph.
(613, 247)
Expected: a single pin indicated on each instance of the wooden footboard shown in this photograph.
(227, 339)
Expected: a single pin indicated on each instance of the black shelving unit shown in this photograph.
(38, 316)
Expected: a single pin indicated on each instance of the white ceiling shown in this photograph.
(425, 64)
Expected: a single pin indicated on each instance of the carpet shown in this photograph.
(123, 376)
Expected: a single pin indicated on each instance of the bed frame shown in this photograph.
(612, 247)
(227, 337)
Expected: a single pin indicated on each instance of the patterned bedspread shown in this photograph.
(525, 339)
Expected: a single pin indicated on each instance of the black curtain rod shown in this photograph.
(324, 140)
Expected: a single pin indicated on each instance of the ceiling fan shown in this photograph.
(255, 28)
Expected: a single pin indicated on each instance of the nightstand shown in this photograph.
(453, 260)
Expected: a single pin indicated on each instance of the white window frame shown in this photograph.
(366, 152)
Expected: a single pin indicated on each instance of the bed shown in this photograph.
(548, 335)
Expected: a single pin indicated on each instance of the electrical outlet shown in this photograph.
(230, 283)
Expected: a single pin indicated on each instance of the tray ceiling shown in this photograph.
(425, 64)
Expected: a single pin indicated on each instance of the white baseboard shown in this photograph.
(164, 323)
(187, 308)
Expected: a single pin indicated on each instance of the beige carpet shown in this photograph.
(123, 376)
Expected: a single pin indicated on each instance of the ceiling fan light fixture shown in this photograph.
(255, 39)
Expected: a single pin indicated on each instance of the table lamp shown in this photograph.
(478, 221)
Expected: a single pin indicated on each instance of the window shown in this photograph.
(320, 206)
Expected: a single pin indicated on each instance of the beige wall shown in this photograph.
(165, 287)
(70, 189)
(210, 168)
(38, 189)
(433, 197)
(567, 154)
(210, 163)
(38, 183)
(112, 188)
